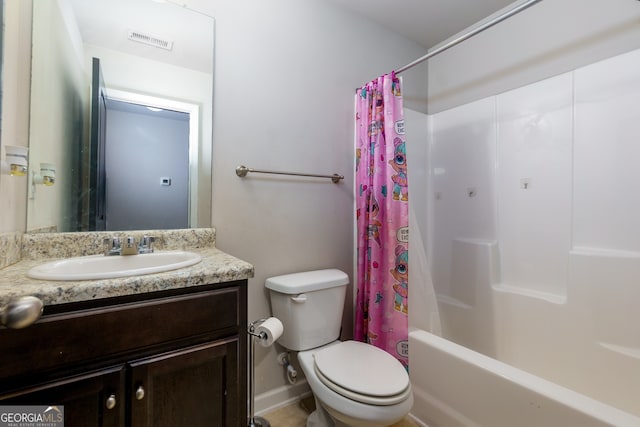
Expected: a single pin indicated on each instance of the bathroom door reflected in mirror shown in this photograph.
(147, 57)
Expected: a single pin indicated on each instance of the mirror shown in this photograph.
(154, 53)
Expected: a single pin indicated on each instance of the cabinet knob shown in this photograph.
(140, 393)
(21, 312)
(111, 402)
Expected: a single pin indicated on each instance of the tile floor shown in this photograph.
(295, 415)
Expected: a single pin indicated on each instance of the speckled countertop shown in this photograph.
(215, 267)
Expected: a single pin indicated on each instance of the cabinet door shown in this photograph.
(195, 387)
(93, 399)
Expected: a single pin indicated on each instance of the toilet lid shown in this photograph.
(362, 372)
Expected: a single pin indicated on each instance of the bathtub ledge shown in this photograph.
(545, 296)
(633, 352)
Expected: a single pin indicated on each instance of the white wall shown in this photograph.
(286, 72)
(549, 38)
(57, 117)
(15, 109)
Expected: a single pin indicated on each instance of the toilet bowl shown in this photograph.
(377, 392)
(354, 384)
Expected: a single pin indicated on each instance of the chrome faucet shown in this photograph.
(112, 246)
(146, 245)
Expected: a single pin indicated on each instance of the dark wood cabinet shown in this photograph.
(86, 398)
(171, 358)
(188, 387)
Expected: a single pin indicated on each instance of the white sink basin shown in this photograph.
(107, 267)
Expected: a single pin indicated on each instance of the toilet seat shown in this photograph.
(363, 373)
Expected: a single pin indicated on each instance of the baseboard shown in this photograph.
(289, 394)
(281, 396)
(416, 420)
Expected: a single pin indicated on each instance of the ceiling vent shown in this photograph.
(151, 40)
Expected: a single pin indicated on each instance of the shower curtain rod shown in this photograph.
(470, 34)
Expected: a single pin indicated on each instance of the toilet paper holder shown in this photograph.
(252, 329)
(265, 340)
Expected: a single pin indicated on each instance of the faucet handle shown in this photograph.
(112, 246)
(129, 247)
(130, 242)
(146, 244)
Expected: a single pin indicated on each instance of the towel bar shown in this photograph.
(242, 171)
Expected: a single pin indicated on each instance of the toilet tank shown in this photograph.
(309, 305)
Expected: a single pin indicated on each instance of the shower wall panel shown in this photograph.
(553, 166)
(417, 128)
(463, 197)
(534, 184)
(607, 153)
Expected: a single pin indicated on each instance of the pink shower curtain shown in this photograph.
(382, 217)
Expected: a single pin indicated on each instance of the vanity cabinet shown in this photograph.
(171, 358)
(84, 397)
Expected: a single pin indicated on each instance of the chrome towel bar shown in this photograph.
(242, 171)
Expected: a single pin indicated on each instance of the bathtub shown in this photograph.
(518, 357)
(455, 386)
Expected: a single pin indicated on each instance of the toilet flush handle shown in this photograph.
(300, 299)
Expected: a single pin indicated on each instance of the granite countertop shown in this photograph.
(216, 267)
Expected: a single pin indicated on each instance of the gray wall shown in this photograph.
(285, 81)
(140, 150)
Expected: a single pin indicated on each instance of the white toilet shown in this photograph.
(354, 384)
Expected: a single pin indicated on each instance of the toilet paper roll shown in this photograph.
(271, 328)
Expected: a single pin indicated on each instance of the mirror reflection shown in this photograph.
(121, 107)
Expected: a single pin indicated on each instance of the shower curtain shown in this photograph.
(382, 217)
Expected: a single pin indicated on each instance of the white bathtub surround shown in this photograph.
(460, 388)
(533, 184)
(421, 285)
(607, 149)
(428, 316)
(535, 248)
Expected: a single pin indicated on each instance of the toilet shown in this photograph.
(353, 383)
